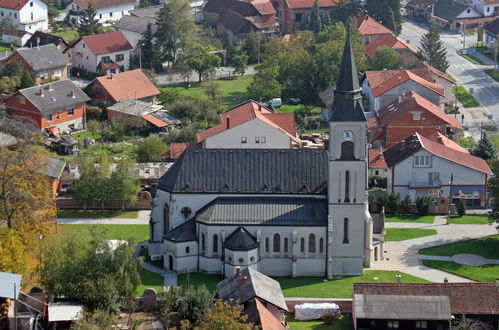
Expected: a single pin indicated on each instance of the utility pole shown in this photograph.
(450, 197)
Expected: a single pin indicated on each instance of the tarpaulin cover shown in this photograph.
(313, 311)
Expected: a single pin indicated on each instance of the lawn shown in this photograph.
(495, 140)
(150, 280)
(471, 58)
(485, 273)
(196, 279)
(467, 142)
(78, 213)
(80, 136)
(68, 35)
(344, 323)
(469, 219)
(402, 234)
(494, 74)
(464, 97)
(409, 218)
(487, 247)
(141, 232)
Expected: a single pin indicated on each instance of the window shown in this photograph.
(376, 172)
(71, 111)
(421, 324)
(367, 39)
(15, 15)
(106, 59)
(31, 16)
(241, 260)
(48, 117)
(433, 192)
(99, 90)
(345, 231)
(1, 13)
(31, 4)
(298, 18)
(468, 11)
(286, 245)
(422, 161)
(311, 243)
(263, 139)
(203, 243)
(257, 139)
(347, 187)
(111, 14)
(277, 243)
(119, 57)
(321, 245)
(393, 324)
(347, 151)
(186, 212)
(84, 46)
(302, 245)
(187, 250)
(215, 243)
(166, 218)
(244, 139)
(122, 68)
(488, 9)
(416, 116)
(100, 15)
(434, 178)
(267, 248)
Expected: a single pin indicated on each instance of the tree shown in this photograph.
(433, 50)
(252, 45)
(239, 63)
(184, 110)
(12, 257)
(347, 9)
(150, 149)
(394, 202)
(382, 199)
(386, 58)
(8, 23)
(223, 316)
(184, 135)
(493, 189)
(196, 302)
(103, 187)
(89, 23)
(202, 61)
(26, 80)
(125, 183)
(265, 84)
(85, 187)
(406, 205)
(423, 204)
(460, 207)
(387, 12)
(9, 84)
(485, 149)
(315, 20)
(147, 48)
(14, 68)
(212, 89)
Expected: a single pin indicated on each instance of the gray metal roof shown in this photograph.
(402, 307)
(248, 171)
(136, 24)
(58, 96)
(449, 9)
(255, 284)
(54, 167)
(135, 107)
(271, 211)
(165, 117)
(186, 232)
(240, 240)
(45, 57)
(146, 11)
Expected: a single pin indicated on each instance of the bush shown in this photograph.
(94, 113)
(86, 74)
(170, 95)
(406, 204)
(328, 318)
(490, 127)
(184, 135)
(461, 207)
(382, 199)
(464, 97)
(197, 301)
(467, 142)
(313, 122)
(376, 181)
(184, 110)
(394, 202)
(423, 204)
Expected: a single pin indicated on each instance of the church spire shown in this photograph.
(347, 95)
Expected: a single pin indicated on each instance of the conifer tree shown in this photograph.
(485, 149)
(89, 24)
(387, 12)
(315, 20)
(146, 47)
(432, 49)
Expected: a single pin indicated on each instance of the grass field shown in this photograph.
(67, 35)
(464, 97)
(485, 273)
(467, 142)
(141, 232)
(150, 280)
(402, 234)
(471, 58)
(469, 219)
(487, 247)
(78, 213)
(495, 140)
(344, 323)
(409, 218)
(494, 74)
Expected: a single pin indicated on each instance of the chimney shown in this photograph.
(259, 107)
(398, 277)
(439, 139)
(446, 280)
(49, 87)
(400, 98)
(242, 280)
(227, 122)
(238, 271)
(72, 94)
(111, 76)
(41, 92)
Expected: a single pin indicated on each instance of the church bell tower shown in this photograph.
(349, 218)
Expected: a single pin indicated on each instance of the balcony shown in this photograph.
(425, 184)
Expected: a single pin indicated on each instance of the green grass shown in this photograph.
(464, 97)
(471, 58)
(196, 279)
(150, 280)
(140, 232)
(494, 74)
(78, 213)
(495, 140)
(489, 128)
(80, 136)
(487, 247)
(409, 218)
(470, 219)
(344, 323)
(467, 142)
(485, 273)
(68, 35)
(402, 234)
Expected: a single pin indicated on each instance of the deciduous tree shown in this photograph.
(386, 58)
(150, 149)
(12, 257)
(85, 187)
(224, 316)
(125, 183)
(433, 50)
(493, 189)
(239, 63)
(201, 60)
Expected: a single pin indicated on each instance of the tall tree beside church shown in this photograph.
(147, 48)
(347, 9)
(387, 12)
(433, 50)
(315, 20)
(124, 182)
(89, 24)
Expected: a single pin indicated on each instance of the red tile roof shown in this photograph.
(13, 4)
(413, 101)
(376, 159)
(250, 110)
(177, 149)
(108, 42)
(154, 120)
(98, 4)
(373, 122)
(295, 4)
(368, 25)
(464, 298)
(385, 80)
(264, 7)
(426, 66)
(267, 320)
(442, 139)
(387, 40)
(128, 85)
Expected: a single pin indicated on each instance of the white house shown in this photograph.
(283, 212)
(487, 7)
(419, 166)
(109, 52)
(29, 15)
(452, 15)
(107, 11)
(15, 37)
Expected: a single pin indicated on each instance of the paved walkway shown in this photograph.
(463, 259)
(170, 278)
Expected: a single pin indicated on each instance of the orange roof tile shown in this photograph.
(383, 81)
(373, 122)
(368, 25)
(264, 7)
(128, 85)
(387, 40)
(13, 4)
(432, 69)
(376, 159)
(267, 320)
(155, 121)
(108, 42)
(310, 3)
(442, 139)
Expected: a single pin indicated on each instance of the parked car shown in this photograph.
(275, 103)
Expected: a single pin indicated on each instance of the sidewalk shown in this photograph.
(485, 59)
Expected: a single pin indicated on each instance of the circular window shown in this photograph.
(186, 211)
(252, 258)
(229, 259)
(241, 260)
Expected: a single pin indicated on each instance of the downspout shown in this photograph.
(197, 225)
(393, 179)
(327, 247)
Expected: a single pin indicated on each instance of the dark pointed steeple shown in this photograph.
(347, 104)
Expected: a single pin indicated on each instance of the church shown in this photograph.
(283, 212)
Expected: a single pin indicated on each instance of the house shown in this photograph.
(28, 15)
(371, 29)
(259, 296)
(15, 37)
(107, 11)
(420, 10)
(251, 125)
(236, 18)
(177, 149)
(273, 209)
(455, 15)
(130, 85)
(408, 53)
(491, 33)
(487, 7)
(431, 74)
(381, 88)
(40, 38)
(134, 27)
(108, 52)
(43, 63)
(412, 113)
(54, 107)
(423, 305)
(419, 166)
(377, 163)
(153, 114)
(53, 170)
(291, 12)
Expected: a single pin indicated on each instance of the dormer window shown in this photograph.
(416, 116)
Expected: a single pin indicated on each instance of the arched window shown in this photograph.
(166, 218)
(302, 245)
(285, 245)
(215, 243)
(267, 249)
(347, 151)
(321, 245)
(311, 243)
(345, 230)
(347, 187)
(203, 243)
(277, 243)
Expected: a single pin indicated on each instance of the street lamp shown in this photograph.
(40, 237)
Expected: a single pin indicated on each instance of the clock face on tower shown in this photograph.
(347, 135)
